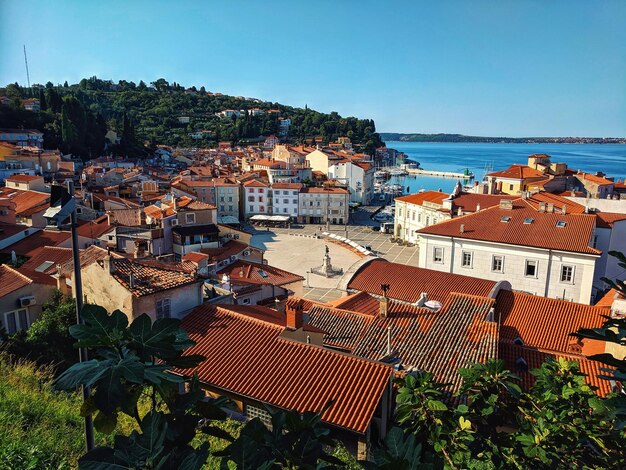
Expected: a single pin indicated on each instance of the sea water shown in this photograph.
(456, 157)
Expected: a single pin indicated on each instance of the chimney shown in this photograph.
(108, 264)
(389, 340)
(564, 209)
(542, 207)
(549, 207)
(462, 228)
(384, 301)
(506, 204)
(477, 207)
(294, 316)
(131, 280)
(422, 300)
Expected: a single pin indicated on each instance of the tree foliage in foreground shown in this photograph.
(489, 423)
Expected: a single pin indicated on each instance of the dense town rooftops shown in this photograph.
(23, 178)
(600, 180)
(523, 225)
(517, 172)
(45, 259)
(248, 357)
(230, 248)
(408, 282)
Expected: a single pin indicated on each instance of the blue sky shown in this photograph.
(509, 68)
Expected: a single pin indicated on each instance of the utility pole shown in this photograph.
(78, 291)
(26, 62)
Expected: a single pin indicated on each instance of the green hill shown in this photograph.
(76, 117)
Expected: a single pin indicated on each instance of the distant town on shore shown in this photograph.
(452, 138)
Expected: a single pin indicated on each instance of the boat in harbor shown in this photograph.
(381, 174)
(398, 172)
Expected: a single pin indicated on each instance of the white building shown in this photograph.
(323, 205)
(285, 197)
(538, 250)
(358, 176)
(256, 200)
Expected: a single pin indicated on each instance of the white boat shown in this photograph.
(381, 174)
(398, 172)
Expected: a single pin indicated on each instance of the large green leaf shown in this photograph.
(83, 373)
(99, 328)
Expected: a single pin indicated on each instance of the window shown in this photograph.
(245, 301)
(251, 208)
(419, 217)
(505, 218)
(295, 201)
(190, 218)
(254, 412)
(531, 268)
(427, 220)
(222, 208)
(260, 190)
(284, 210)
(285, 201)
(567, 273)
(413, 215)
(561, 224)
(295, 193)
(250, 190)
(14, 321)
(466, 260)
(230, 199)
(437, 254)
(250, 198)
(230, 208)
(260, 198)
(510, 187)
(497, 263)
(163, 309)
(262, 209)
(222, 199)
(529, 220)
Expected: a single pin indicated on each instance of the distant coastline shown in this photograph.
(460, 138)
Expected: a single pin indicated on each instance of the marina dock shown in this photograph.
(443, 174)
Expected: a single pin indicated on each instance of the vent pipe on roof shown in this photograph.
(564, 209)
(462, 228)
(477, 207)
(389, 340)
(422, 300)
(131, 281)
(384, 301)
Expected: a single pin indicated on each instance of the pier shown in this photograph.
(443, 174)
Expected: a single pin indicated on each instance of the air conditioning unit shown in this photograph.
(174, 222)
(26, 301)
(236, 237)
(233, 258)
(246, 253)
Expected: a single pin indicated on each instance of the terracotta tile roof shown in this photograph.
(26, 200)
(149, 279)
(156, 212)
(287, 186)
(248, 357)
(266, 162)
(468, 201)
(558, 201)
(197, 206)
(541, 322)
(517, 172)
(8, 230)
(343, 328)
(361, 302)
(231, 248)
(324, 190)
(259, 273)
(408, 282)
(427, 196)
(260, 312)
(23, 178)
(306, 304)
(512, 353)
(87, 256)
(592, 178)
(254, 183)
(607, 219)
(607, 299)
(95, 228)
(38, 239)
(11, 280)
(47, 257)
(195, 257)
(487, 225)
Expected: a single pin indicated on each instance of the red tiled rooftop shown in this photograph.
(54, 254)
(408, 282)
(543, 232)
(517, 172)
(149, 279)
(557, 201)
(247, 356)
(427, 196)
(593, 179)
(543, 323)
(11, 280)
(607, 219)
(259, 273)
(23, 178)
(38, 239)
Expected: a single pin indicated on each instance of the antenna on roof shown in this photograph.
(26, 62)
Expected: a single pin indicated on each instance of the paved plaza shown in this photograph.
(297, 250)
